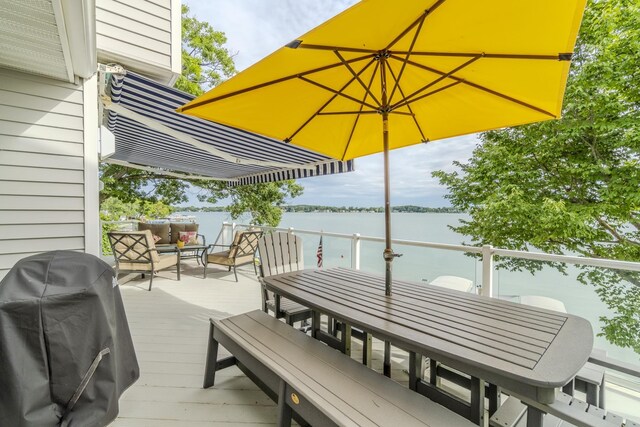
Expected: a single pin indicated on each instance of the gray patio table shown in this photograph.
(525, 350)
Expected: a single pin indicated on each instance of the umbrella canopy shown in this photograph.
(418, 70)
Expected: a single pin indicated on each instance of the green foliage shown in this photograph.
(263, 201)
(134, 185)
(572, 185)
(205, 63)
(114, 209)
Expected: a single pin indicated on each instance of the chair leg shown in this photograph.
(178, 265)
(150, 280)
(234, 272)
(204, 276)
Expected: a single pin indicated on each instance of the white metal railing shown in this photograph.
(488, 252)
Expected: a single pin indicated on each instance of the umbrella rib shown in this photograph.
(416, 22)
(415, 120)
(408, 99)
(406, 58)
(338, 92)
(357, 76)
(331, 99)
(558, 57)
(332, 48)
(480, 87)
(271, 82)
(340, 113)
(355, 122)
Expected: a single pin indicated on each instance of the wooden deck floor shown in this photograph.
(169, 326)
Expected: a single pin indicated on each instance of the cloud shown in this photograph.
(255, 28)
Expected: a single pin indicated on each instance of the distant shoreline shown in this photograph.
(331, 209)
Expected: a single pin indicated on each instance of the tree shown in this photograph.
(205, 63)
(571, 185)
(263, 201)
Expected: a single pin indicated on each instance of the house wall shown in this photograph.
(42, 167)
(141, 35)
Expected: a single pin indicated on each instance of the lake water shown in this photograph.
(423, 264)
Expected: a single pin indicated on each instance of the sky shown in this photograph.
(255, 28)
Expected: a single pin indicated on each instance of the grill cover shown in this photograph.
(60, 313)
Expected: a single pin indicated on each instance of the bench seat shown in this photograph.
(319, 384)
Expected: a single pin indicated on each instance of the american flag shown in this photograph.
(319, 253)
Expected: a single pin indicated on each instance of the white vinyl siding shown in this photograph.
(41, 167)
(139, 35)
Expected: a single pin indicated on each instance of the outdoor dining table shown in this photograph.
(525, 350)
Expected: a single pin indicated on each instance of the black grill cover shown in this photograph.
(59, 311)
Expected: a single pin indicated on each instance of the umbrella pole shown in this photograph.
(388, 252)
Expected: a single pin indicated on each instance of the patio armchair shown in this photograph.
(242, 251)
(135, 252)
(281, 253)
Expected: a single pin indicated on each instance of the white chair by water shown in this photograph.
(455, 283)
(543, 302)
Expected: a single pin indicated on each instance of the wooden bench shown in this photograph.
(313, 382)
(566, 411)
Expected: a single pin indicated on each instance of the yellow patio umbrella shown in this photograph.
(387, 74)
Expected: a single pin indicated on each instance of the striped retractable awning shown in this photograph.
(148, 132)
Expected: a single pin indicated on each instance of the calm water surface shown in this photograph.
(422, 264)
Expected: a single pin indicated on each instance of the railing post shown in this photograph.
(355, 251)
(290, 230)
(223, 233)
(487, 271)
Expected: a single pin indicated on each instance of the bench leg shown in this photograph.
(212, 357)
(386, 367)
(345, 339)
(367, 349)
(494, 399)
(212, 363)
(476, 405)
(415, 370)
(284, 410)
(315, 324)
(592, 394)
(535, 417)
(433, 372)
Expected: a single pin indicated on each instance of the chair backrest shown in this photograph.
(133, 246)
(244, 243)
(280, 253)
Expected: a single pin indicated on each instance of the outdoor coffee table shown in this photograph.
(525, 350)
(186, 252)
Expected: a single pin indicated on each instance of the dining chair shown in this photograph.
(281, 253)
